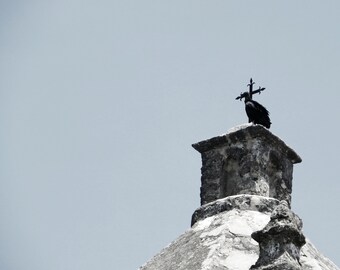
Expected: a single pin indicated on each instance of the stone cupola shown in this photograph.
(245, 220)
(249, 159)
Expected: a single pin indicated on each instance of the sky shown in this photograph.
(100, 102)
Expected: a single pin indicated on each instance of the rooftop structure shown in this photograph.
(244, 221)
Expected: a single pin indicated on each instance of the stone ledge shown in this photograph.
(244, 133)
(241, 202)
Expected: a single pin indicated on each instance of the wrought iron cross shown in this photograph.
(251, 92)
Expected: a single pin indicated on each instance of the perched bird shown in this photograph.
(256, 112)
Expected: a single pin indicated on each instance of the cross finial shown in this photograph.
(251, 92)
(251, 88)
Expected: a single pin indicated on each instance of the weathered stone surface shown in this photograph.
(312, 259)
(280, 240)
(240, 202)
(248, 160)
(223, 242)
(246, 192)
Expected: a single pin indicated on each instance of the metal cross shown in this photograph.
(251, 92)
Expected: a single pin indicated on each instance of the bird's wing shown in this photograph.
(258, 107)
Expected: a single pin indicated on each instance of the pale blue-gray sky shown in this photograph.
(101, 100)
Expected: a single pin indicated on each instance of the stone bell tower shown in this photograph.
(245, 220)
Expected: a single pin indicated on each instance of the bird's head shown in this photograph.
(244, 95)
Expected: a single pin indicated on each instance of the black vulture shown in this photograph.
(256, 112)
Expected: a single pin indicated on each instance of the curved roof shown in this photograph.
(223, 241)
